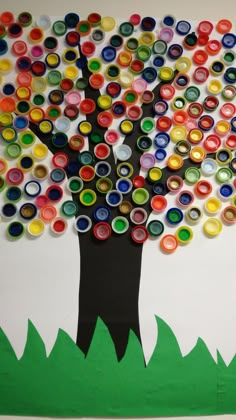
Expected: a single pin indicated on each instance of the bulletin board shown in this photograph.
(118, 211)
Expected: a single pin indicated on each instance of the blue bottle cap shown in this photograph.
(108, 54)
(124, 185)
(183, 27)
(225, 191)
(168, 20)
(149, 74)
(175, 51)
(3, 46)
(159, 61)
(102, 169)
(73, 167)
(114, 198)
(233, 124)
(57, 175)
(8, 210)
(160, 154)
(81, 62)
(174, 216)
(15, 230)
(83, 224)
(71, 20)
(162, 140)
(8, 89)
(229, 40)
(101, 214)
(13, 193)
(148, 24)
(159, 188)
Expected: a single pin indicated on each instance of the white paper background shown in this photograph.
(199, 283)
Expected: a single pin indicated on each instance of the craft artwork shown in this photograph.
(117, 132)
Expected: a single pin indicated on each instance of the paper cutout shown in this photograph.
(68, 384)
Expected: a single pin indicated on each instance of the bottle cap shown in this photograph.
(88, 197)
(138, 216)
(193, 214)
(184, 235)
(101, 214)
(174, 216)
(158, 203)
(174, 183)
(15, 176)
(212, 227)
(140, 196)
(57, 175)
(154, 174)
(69, 208)
(8, 210)
(155, 228)
(102, 231)
(120, 224)
(229, 214)
(114, 198)
(83, 223)
(185, 198)
(32, 189)
(224, 175)
(40, 172)
(13, 194)
(104, 185)
(192, 175)
(15, 230)
(125, 207)
(28, 211)
(169, 243)
(139, 234)
(175, 161)
(124, 185)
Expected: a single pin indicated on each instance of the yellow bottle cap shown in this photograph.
(183, 64)
(108, 23)
(6, 65)
(9, 134)
(166, 74)
(36, 227)
(126, 126)
(154, 174)
(222, 127)
(197, 154)
(40, 151)
(23, 93)
(38, 84)
(45, 126)
(213, 205)
(126, 79)
(212, 226)
(104, 101)
(147, 38)
(85, 128)
(71, 72)
(178, 133)
(6, 119)
(214, 87)
(175, 162)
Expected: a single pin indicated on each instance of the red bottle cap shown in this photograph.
(163, 123)
(205, 28)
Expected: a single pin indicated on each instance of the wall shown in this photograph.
(198, 9)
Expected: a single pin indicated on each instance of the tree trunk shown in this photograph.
(109, 288)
